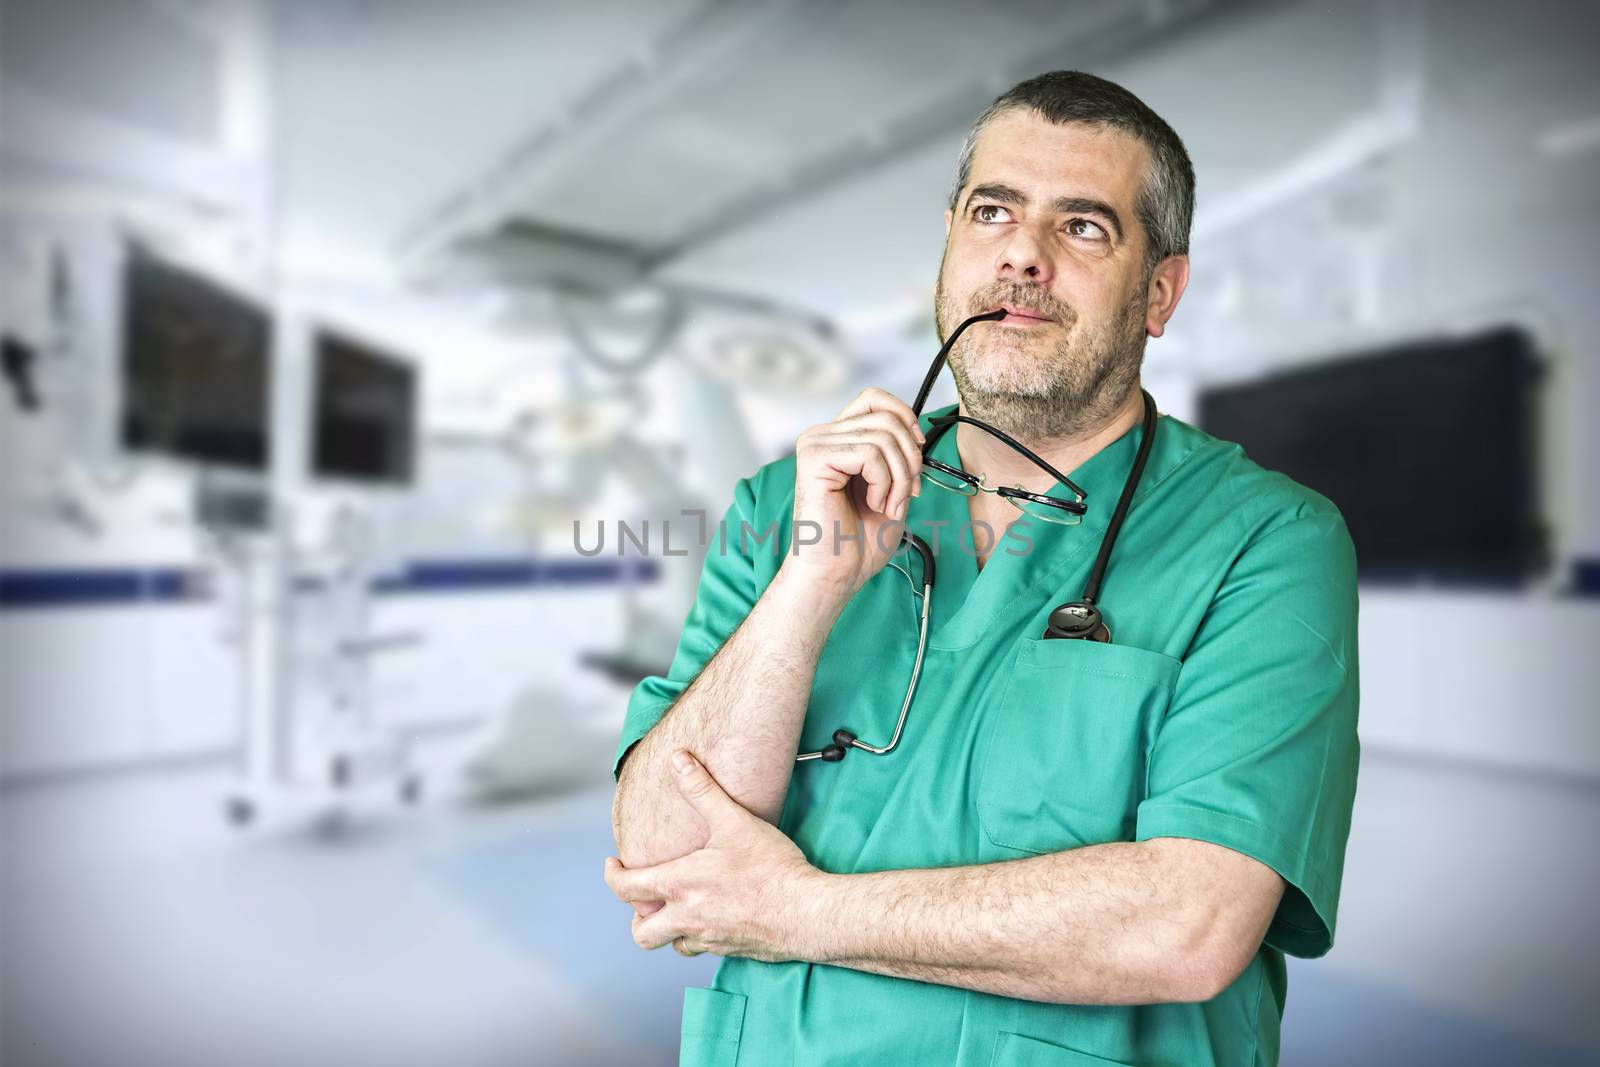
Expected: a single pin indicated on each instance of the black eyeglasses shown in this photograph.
(1042, 506)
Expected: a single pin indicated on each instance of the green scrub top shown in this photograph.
(1225, 710)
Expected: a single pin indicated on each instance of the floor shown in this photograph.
(138, 929)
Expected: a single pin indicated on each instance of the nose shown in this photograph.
(1024, 258)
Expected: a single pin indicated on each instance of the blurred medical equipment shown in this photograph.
(196, 367)
(513, 754)
(329, 744)
(1433, 493)
(364, 413)
(621, 318)
(620, 327)
(17, 360)
(302, 751)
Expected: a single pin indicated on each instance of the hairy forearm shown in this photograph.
(1121, 923)
(741, 717)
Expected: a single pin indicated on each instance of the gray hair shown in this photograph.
(1165, 205)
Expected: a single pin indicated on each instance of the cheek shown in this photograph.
(972, 258)
(1086, 288)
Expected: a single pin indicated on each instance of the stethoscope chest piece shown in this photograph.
(1077, 621)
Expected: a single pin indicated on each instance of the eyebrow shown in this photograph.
(1081, 205)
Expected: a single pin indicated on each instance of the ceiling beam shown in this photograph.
(709, 36)
(1129, 29)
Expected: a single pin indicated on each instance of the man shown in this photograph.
(1080, 852)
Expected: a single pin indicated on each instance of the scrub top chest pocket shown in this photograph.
(1068, 744)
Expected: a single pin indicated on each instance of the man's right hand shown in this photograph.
(855, 475)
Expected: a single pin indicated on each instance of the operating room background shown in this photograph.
(618, 255)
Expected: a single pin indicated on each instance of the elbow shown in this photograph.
(646, 831)
(1205, 953)
(626, 830)
(616, 818)
(1203, 967)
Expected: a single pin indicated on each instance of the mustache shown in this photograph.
(1030, 297)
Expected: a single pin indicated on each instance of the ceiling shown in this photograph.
(790, 149)
(712, 137)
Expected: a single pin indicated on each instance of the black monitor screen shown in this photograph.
(196, 362)
(1429, 449)
(365, 413)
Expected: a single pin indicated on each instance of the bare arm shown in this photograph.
(1166, 920)
(742, 715)
(1158, 921)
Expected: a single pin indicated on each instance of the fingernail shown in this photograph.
(682, 762)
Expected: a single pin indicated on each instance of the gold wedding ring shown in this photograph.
(677, 943)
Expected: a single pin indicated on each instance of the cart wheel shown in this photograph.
(239, 811)
(411, 789)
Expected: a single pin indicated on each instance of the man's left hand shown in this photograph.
(744, 894)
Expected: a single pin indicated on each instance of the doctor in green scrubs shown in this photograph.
(1079, 852)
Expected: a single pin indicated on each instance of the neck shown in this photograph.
(986, 455)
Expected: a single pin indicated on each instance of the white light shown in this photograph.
(1570, 138)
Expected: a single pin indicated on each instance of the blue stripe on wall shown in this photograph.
(455, 576)
(103, 587)
(57, 588)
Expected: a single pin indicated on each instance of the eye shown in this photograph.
(1089, 231)
(988, 214)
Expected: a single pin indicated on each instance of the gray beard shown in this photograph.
(1093, 371)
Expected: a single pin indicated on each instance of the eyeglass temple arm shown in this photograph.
(938, 361)
(943, 422)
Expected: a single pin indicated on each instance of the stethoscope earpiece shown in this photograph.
(842, 740)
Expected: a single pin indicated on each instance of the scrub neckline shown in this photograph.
(973, 599)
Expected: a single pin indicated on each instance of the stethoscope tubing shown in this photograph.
(911, 690)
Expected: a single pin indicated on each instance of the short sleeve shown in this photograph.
(1258, 749)
(724, 596)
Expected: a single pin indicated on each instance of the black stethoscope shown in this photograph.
(1077, 620)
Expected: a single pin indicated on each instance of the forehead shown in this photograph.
(1046, 160)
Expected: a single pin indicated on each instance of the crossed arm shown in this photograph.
(1164, 920)
(1169, 919)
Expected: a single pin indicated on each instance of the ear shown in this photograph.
(947, 216)
(1167, 283)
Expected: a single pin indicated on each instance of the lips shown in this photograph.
(1021, 316)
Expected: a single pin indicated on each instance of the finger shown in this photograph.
(847, 457)
(651, 932)
(905, 429)
(908, 439)
(900, 468)
(717, 808)
(632, 884)
(875, 399)
(643, 908)
(874, 455)
(880, 400)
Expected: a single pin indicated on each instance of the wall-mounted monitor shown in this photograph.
(1429, 448)
(364, 422)
(196, 367)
